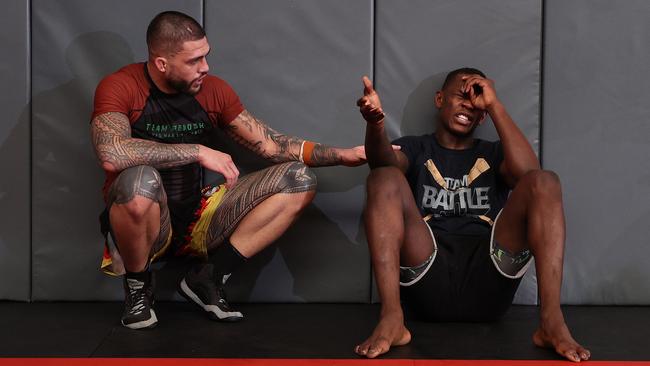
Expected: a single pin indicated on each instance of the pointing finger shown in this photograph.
(367, 86)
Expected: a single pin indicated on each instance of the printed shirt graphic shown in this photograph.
(457, 191)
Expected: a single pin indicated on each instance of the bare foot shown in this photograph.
(389, 332)
(555, 334)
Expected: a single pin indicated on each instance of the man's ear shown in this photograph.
(161, 64)
(438, 99)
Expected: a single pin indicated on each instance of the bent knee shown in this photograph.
(387, 179)
(137, 208)
(297, 177)
(542, 182)
(141, 180)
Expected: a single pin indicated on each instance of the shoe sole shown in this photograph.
(213, 311)
(144, 324)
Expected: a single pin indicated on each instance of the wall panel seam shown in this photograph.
(31, 147)
(540, 136)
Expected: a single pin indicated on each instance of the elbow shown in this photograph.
(527, 166)
(108, 162)
(531, 168)
(517, 172)
(109, 166)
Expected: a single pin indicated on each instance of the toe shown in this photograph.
(379, 347)
(362, 349)
(572, 355)
(375, 351)
(584, 353)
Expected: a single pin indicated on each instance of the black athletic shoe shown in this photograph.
(200, 288)
(138, 311)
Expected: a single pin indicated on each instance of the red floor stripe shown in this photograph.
(289, 362)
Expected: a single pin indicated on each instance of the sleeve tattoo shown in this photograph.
(257, 136)
(111, 134)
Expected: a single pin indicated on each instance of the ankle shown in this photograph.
(551, 317)
(392, 313)
(225, 260)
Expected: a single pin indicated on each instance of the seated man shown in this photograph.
(150, 124)
(453, 221)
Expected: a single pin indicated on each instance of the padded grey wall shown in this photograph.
(297, 65)
(75, 44)
(15, 198)
(597, 137)
(418, 44)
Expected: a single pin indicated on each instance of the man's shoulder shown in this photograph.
(122, 91)
(213, 82)
(130, 75)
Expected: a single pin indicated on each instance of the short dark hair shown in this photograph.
(462, 71)
(169, 29)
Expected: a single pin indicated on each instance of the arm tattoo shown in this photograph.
(324, 156)
(111, 134)
(257, 136)
(263, 140)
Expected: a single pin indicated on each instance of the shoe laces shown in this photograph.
(137, 296)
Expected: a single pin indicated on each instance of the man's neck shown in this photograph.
(453, 142)
(158, 79)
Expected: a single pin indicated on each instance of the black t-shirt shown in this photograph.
(460, 191)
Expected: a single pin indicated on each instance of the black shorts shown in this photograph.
(462, 284)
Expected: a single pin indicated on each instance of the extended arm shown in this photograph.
(257, 136)
(117, 150)
(519, 157)
(378, 149)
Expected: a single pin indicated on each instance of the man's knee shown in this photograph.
(543, 182)
(296, 177)
(384, 180)
(142, 180)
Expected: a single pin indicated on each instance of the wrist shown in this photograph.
(200, 153)
(306, 149)
(377, 124)
(495, 108)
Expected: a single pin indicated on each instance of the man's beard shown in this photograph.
(183, 86)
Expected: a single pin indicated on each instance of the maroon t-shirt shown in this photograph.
(171, 119)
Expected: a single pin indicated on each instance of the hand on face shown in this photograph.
(480, 90)
(369, 104)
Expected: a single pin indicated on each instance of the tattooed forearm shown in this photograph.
(288, 148)
(270, 144)
(263, 140)
(117, 150)
(324, 156)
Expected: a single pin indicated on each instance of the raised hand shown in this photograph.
(369, 104)
(481, 91)
(219, 162)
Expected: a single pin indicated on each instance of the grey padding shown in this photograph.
(75, 44)
(297, 65)
(419, 43)
(597, 138)
(15, 276)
